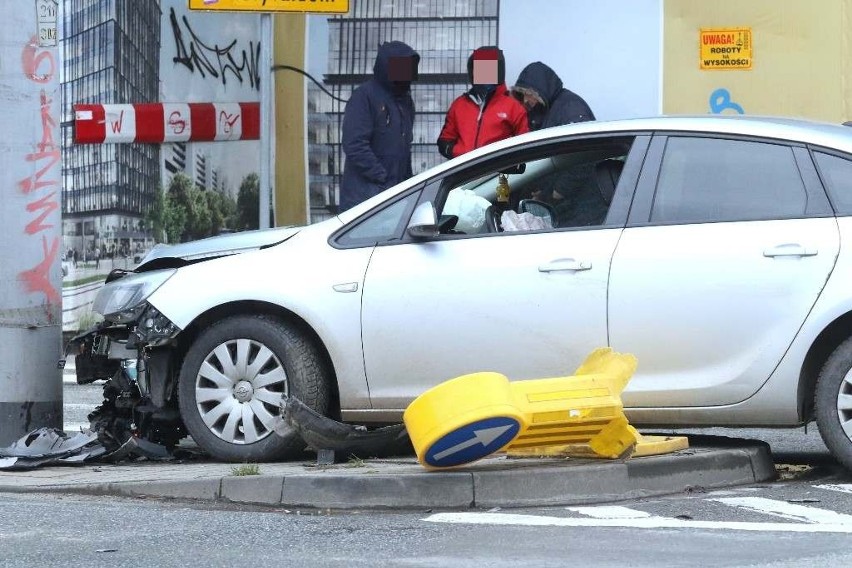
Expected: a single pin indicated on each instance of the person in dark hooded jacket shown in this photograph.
(484, 114)
(377, 126)
(573, 194)
(547, 102)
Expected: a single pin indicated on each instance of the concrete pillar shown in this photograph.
(30, 220)
(290, 167)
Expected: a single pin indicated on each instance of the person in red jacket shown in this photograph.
(487, 112)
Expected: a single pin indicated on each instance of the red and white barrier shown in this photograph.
(165, 122)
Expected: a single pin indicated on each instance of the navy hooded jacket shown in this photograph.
(561, 105)
(377, 131)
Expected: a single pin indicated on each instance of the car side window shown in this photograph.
(836, 174)
(381, 226)
(571, 186)
(712, 179)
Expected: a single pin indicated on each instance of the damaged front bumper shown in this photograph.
(135, 359)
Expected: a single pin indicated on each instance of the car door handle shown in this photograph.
(789, 249)
(565, 264)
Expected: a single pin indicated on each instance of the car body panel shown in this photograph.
(299, 275)
(705, 312)
(220, 245)
(423, 324)
(780, 401)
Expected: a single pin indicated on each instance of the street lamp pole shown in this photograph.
(266, 118)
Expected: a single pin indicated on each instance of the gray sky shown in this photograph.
(317, 45)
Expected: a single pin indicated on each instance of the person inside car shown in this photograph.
(547, 102)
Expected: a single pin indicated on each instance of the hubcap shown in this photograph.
(243, 391)
(844, 404)
(238, 390)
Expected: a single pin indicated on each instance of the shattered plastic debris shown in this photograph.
(48, 442)
(323, 433)
(49, 446)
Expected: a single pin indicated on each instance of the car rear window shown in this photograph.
(712, 179)
(836, 174)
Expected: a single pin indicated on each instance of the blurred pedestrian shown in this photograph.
(547, 102)
(486, 113)
(377, 126)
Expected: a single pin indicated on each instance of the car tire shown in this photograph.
(833, 403)
(231, 382)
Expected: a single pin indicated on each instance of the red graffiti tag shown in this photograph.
(227, 121)
(117, 124)
(177, 123)
(49, 205)
(38, 279)
(32, 183)
(47, 124)
(31, 62)
(47, 155)
(46, 149)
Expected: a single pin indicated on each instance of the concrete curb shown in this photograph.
(502, 482)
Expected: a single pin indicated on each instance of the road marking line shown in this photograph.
(791, 511)
(841, 487)
(651, 522)
(610, 512)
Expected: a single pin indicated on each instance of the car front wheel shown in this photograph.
(231, 384)
(833, 403)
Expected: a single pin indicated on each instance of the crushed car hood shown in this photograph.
(163, 256)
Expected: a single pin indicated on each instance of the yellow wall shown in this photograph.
(291, 195)
(801, 63)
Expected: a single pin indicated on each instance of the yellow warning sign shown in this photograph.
(320, 6)
(725, 48)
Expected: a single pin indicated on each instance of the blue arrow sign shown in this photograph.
(472, 441)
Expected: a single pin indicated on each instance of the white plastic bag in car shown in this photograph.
(469, 207)
(512, 221)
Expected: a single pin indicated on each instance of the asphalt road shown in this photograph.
(78, 402)
(805, 518)
(740, 527)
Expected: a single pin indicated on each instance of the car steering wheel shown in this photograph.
(447, 223)
(492, 221)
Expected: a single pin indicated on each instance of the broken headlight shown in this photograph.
(153, 328)
(123, 300)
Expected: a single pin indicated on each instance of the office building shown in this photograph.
(443, 32)
(111, 54)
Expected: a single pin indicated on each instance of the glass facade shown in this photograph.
(443, 32)
(111, 54)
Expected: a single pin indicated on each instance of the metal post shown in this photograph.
(266, 117)
(30, 222)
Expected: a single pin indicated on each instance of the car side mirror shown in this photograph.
(423, 223)
(516, 169)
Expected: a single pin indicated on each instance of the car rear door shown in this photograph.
(728, 245)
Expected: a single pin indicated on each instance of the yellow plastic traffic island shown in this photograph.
(472, 416)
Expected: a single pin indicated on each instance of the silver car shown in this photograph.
(709, 247)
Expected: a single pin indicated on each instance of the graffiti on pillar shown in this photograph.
(720, 101)
(39, 66)
(215, 60)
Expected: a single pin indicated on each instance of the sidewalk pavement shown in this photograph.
(401, 483)
(498, 481)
